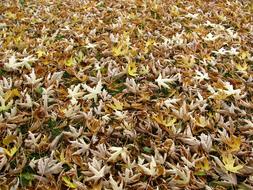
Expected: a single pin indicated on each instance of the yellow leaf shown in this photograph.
(10, 15)
(70, 62)
(62, 157)
(117, 105)
(132, 69)
(201, 121)
(221, 95)
(174, 10)
(229, 163)
(119, 50)
(234, 143)
(187, 61)
(203, 165)
(168, 122)
(68, 183)
(240, 67)
(8, 139)
(40, 53)
(149, 44)
(11, 94)
(144, 69)
(244, 54)
(123, 46)
(11, 152)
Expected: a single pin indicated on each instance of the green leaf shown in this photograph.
(39, 90)
(52, 123)
(22, 2)
(200, 173)
(68, 183)
(2, 72)
(26, 179)
(59, 37)
(66, 75)
(147, 149)
(55, 132)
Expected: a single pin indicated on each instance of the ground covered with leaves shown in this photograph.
(133, 94)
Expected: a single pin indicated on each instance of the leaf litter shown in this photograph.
(135, 94)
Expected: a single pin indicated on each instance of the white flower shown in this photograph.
(162, 82)
(93, 92)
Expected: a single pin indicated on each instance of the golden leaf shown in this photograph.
(244, 54)
(242, 67)
(229, 163)
(8, 139)
(68, 183)
(11, 94)
(149, 44)
(234, 143)
(119, 50)
(168, 122)
(203, 164)
(70, 62)
(201, 121)
(132, 69)
(62, 157)
(187, 61)
(40, 53)
(11, 152)
(117, 105)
